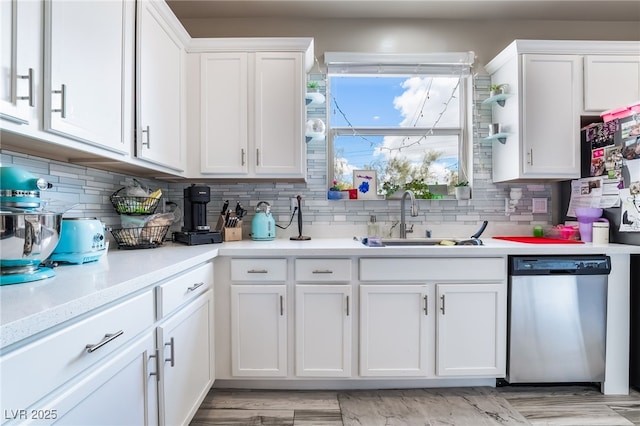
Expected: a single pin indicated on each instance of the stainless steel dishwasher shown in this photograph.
(557, 312)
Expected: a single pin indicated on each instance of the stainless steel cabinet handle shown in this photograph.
(322, 271)
(257, 271)
(195, 286)
(63, 101)
(442, 305)
(30, 97)
(347, 305)
(107, 338)
(148, 142)
(243, 155)
(530, 155)
(157, 359)
(281, 305)
(426, 305)
(257, 156)
(171, 359)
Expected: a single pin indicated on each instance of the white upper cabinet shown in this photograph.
(610, 81)
(88, 71)
(551, 83)
(160, 133)
(249, 110)
(224, 131)
(21, 67)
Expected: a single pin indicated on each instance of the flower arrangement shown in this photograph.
(463, 183)
(335, 186)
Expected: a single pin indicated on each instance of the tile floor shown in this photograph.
(509, 405)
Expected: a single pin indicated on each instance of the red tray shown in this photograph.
(538, 240)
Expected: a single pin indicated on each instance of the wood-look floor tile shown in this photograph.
(630, 412)
(427, 407)
(317, 418)
(230, 417)
(272, 400)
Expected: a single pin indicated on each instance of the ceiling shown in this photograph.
(569, 10)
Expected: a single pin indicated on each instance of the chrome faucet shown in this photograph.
(414, 212)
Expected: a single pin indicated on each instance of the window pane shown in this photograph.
(432, 159)
(393, 101)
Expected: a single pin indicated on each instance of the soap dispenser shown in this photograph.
(373, 230)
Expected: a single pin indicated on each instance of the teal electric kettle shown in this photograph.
(263, 225)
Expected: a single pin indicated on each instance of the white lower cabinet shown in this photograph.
(396, 330)
(185, 342)
(259, 330)
(471, 329)
(323, 330)
(119, 366)
(121, 392)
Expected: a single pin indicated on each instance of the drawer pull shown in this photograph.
(171, 359)
(442, 306)
(426, 305)
(257, 271)
(322, 271)
(107, 338)
(195, 286)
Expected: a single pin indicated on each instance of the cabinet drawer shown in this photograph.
(38, 368)
(185, 287)
(323, 270)
(433, 269)
(256, 270)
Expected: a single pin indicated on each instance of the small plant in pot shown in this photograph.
(497, 89)
(312, 86)
(463, 190)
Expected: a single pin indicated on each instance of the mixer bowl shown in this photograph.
(588, 214)
(27, 238)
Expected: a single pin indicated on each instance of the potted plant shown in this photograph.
(463, 190)
(312, 86)
(497, 89)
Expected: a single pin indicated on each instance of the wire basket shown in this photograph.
(125, 204)
(140, 238)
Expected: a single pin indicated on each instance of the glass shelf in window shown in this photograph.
(497, 99)
(500, 137)
(314, 98)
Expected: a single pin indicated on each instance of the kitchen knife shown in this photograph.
(225, 206)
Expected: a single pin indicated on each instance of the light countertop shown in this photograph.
(30, 308)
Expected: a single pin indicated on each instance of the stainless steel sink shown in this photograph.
(419, 241)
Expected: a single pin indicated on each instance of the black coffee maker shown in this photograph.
(195, 229)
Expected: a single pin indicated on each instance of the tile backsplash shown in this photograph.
(86, 191)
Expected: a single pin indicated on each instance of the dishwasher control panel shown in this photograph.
(558, 265)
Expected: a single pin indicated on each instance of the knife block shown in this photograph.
(233, 233)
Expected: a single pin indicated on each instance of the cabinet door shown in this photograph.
(471, 330)
(160, 63)
(279, 109)
(87, 49)
(551, 116)
(121, 391)
(323, 330)
(186, 348)
(396, 330)
(610, 82)
(20, 52)
(258, 330)
(224, 120)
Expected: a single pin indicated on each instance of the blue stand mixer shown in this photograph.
(28, 235)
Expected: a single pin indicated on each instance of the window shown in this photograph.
(406, 120)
